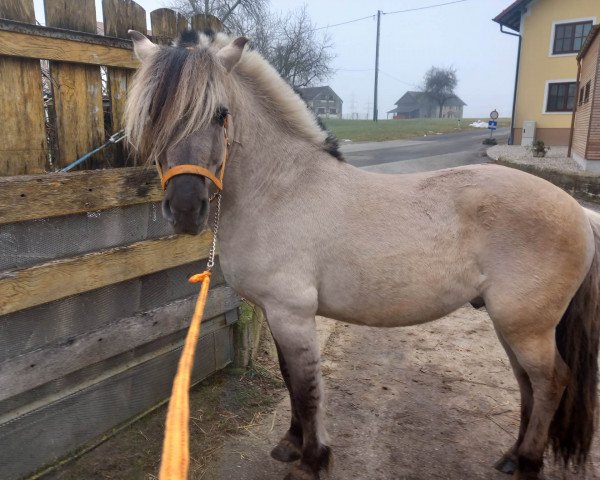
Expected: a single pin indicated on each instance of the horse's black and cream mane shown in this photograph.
(181, 88)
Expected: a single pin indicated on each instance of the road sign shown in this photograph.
(494, 114)
(492, 124)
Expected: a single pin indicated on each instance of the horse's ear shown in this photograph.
(232, 53)
(141, 45)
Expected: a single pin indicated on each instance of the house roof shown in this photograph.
(404, 109)
(511, 15)
(588, 41)
(410, 96)
(411, 100)
(310, 93)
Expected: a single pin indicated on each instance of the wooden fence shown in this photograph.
(94, 299)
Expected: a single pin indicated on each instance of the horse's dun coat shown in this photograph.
(303, 234)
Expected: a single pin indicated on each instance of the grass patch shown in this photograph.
(369, 131)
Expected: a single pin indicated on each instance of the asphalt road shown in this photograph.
(432, 152)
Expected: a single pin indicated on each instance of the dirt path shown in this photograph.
(436, 401)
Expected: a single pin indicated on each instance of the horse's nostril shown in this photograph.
(166, 210)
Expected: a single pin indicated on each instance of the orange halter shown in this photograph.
(196, 169)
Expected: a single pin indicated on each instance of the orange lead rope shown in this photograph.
(175, 455)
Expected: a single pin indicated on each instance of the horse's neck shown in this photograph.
(265, 163)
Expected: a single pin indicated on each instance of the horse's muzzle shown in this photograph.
(185, 205)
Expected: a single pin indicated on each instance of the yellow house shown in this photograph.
(551, 32)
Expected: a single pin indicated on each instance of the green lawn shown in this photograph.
(367, 130)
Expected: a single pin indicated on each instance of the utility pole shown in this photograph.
(376, 66)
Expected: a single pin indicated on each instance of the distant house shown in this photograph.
(585, 135)
(322, 100)
(419, 105)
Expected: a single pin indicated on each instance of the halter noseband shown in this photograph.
(196, 169)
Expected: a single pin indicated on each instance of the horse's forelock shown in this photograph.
(188, 38)
(178, 91)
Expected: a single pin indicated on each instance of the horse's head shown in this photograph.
(177, 116)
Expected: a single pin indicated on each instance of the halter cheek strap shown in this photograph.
(196, 169)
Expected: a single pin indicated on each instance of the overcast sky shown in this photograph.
(461, 35)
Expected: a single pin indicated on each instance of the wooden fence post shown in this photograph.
(206, 22)
(120, 16)
(166, 24)
(23, 145)
(77, 88)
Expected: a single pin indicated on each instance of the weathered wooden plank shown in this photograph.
(62, 34)
(30, 400)
(28, 287)
(81, 415)
(206, 22)
(77, 89)
(42, 196)
(23, 145)
(16, 44)
(21, 10)
(166, 25)
(33, 369)
(55, 322)
(119, 17)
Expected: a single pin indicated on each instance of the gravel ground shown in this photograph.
(556, 157)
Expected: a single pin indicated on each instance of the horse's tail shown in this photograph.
(577, 336)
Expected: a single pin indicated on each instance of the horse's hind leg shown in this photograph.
(508, 462)
(537, 354)
(296, 338)
(290, 446)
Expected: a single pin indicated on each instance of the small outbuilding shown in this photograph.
(584, 146)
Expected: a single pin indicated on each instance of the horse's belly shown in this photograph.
(393, 307)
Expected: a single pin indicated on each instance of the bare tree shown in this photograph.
(289, 42)
(297, 53)
(439, 85)
(226, 10)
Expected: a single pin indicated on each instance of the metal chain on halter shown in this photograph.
(211, 256)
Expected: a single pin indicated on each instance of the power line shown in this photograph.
(344, 23)
(354, 69)
(389, 13)
(424, 8)
(398, 80)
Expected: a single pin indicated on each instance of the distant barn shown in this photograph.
(418, 105)
(323, 101)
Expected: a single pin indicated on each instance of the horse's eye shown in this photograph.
(221, 115)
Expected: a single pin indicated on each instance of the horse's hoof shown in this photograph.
(301, 472)
(506, 464)
(286, 451)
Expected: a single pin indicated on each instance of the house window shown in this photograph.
(333, 111)
(561, 97)
(586, 95)
(568, 37)
(321, 111)
(580, 98)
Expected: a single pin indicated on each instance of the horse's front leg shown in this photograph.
(289, 447)
(296, 338)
